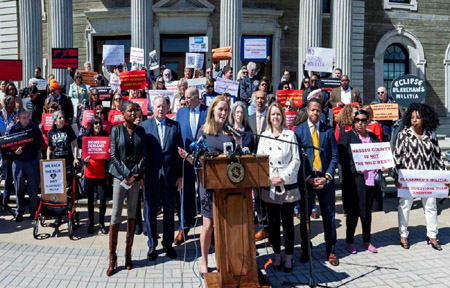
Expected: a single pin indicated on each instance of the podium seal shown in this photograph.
(235, 172)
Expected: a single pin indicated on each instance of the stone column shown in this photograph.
(231, 30)
(30, 38)
(309, 30)
(142, 26)
(61, 26)
(342, 35)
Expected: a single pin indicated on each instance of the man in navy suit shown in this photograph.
(162, 175)
(320, 168)
(191, 118)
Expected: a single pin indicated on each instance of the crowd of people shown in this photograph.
(150, 159)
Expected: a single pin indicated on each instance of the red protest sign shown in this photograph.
(132, 80)
(107, 126)
(11, 70)
(143, 102)
(62, 58)
(88, 116)
(295, 95)
(96, 147)
(290, 116)
(47, 121)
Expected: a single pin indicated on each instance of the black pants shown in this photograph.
(91, 185)
(286, 210)
(261, 210)
(366, 221)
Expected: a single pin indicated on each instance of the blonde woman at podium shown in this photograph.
(284, 162)
(213, 133)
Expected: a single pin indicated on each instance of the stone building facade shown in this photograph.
(375, 40)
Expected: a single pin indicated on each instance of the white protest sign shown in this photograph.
(114, 54)
(41, 84)
(153, 58)
(136, 55)
(152, 94)
(114, 82)
(255, 49)
(172, 86)
(199, 83)
(372, 156)
(198, 44)
(53, 172)
(227, 86)
(423, 183)
(319, 59)
(194, 60)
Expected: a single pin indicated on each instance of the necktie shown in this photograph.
(317, 164)
(161, 134)
(258, 123)
(192, 122)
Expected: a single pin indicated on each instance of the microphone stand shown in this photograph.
(312, 281)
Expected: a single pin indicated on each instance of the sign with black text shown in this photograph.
(63, 58)
(407, 89)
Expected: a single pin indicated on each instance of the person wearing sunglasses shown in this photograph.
(386, 125)
(61, 99)
(209, 94)
(160, 83)
(89, 105)
(358, 187)
(77, 89)
(115, 115)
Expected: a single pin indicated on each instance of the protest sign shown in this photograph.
(114, 82)
(47, 121)
(295, 95)
(227, 86)
(103, 92)
(113, 54)
(107, 126)
(199, 83)
(172, 86)
(88, 116)
(53, 180)
(132, 80)
(198, 44)
(151, 95)
(329, 84)
(223, 53)
(62, 58)
(372, 156)
(88, 77)
(407, 89)
(136, 55)
(254, 48)
(11, 70)
(153, 58)
(385, 111)
(96, 147)
(319, 59)
(15, 140)
(290, 116)
(41, 84)
(423, 183)
(194, 60)
(143, 102)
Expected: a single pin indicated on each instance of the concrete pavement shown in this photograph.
(56, 261)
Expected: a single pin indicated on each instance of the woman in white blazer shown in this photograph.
(280, 197)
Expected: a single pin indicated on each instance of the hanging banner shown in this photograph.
(137, 55)
(64, 58)
(113, 54)
(11, 70)
(198, 44)
(295, 95)
(319, 59)
(132, 80)
(423, 183)
(96, 147)
(372, 156)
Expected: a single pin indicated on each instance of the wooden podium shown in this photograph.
(233, 220)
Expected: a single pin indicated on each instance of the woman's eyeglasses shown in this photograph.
(94, 94)
(98, 112)
(210, 86)
(97, 123)
(51, 110)
(263, 84)
(117, 99)
(362, 120)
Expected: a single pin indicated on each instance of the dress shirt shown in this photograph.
(346, 95)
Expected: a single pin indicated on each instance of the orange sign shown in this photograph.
(385, 111)
(88, 77)
(295, 95)
(132, 80)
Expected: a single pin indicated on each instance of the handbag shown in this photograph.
(380, 180)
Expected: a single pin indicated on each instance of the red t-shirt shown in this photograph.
(115, 117)
(95, 169)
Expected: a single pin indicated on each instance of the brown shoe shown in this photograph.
(333, 259)
(260, 235)
(179, 239)
(131, 226)
(315, 215)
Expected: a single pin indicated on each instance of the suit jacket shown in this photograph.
(335, 96)
(118, 167)
(252, 123)
(183, 119)
(166, 156)
(247, 86)
(329, 156)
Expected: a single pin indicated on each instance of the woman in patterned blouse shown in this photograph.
(417, 148)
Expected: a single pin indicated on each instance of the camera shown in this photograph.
(228, 148)
(286, 28)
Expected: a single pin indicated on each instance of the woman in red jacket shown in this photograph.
(373, 125)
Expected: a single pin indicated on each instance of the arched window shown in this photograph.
(396, 63)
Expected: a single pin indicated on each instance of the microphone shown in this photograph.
(194, 146)
(246, 151)
(232, 130)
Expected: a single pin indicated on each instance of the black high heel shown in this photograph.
(435, 246)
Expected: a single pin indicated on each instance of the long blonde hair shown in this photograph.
(210, 125)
